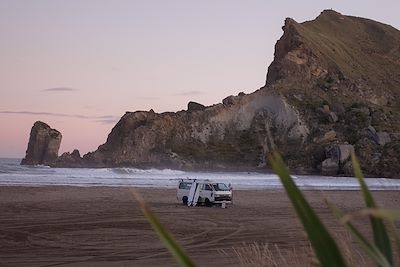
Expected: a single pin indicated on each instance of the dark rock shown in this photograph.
(363, 110)
(326, 138)
(380, 138)
(337, 156)
(395, 136)
(383, 138)
(333, 152)
(67, 159)
(75, 154)
(372, 130)
(378, 117)
(43, 146)
(345, 153)
(330, 167)
(348, 169)
(339, 108)
(228, 101)
(193, 106)
(333, 117)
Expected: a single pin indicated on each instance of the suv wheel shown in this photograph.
(185, 200)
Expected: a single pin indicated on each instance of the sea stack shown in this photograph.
(43, 146)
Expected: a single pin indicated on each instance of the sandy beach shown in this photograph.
(103, 226)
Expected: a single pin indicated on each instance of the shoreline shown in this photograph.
(273, 189)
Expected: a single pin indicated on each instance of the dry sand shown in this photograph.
(103, 226)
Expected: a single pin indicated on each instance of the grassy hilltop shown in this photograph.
(349, 66)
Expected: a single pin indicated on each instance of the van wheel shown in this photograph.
(207, 203)
(185, 200)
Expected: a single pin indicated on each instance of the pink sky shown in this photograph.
(79, 65)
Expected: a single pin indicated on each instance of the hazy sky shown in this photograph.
(78, 65)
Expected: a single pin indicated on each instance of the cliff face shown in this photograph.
(333, 87)
(238, 133)
(43, 146)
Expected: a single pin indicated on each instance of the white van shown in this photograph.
(209, 192)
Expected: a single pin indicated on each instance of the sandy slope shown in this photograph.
(73, 226)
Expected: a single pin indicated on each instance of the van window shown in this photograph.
(185, 185)
(207, 187)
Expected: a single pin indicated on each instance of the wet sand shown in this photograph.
(103, 226)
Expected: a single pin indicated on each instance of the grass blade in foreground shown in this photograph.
(324, 245)
(371, 249)
(380, 235)
(180, 256)
(391, 215)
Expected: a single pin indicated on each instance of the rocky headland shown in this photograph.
(333, 88)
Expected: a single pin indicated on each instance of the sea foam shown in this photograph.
(13, 174)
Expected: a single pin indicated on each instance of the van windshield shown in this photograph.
(221, 187)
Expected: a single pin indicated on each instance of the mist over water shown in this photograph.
(13, 174)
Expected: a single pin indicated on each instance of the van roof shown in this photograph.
(196, 180)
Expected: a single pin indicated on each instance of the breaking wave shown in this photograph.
(13, 174)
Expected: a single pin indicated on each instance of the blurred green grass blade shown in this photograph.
(371, 249)
(381, 238)
(387, 214)
(169, 241)
(324, 246)
(179, 254)
(396, 237)
(390, 215)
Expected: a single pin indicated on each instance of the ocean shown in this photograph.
(13, 174)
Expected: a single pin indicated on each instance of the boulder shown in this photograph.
(345, 153)
(43, 146)
(325, 112)
(333, 117)
(193, 106)
(347, 168)
(326, 138)
(380, 138)
(330, 167)
(337, 157)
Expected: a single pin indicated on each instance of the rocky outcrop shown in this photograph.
(238, 135)
(193, 106)
(67, 159)
(43, 146)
